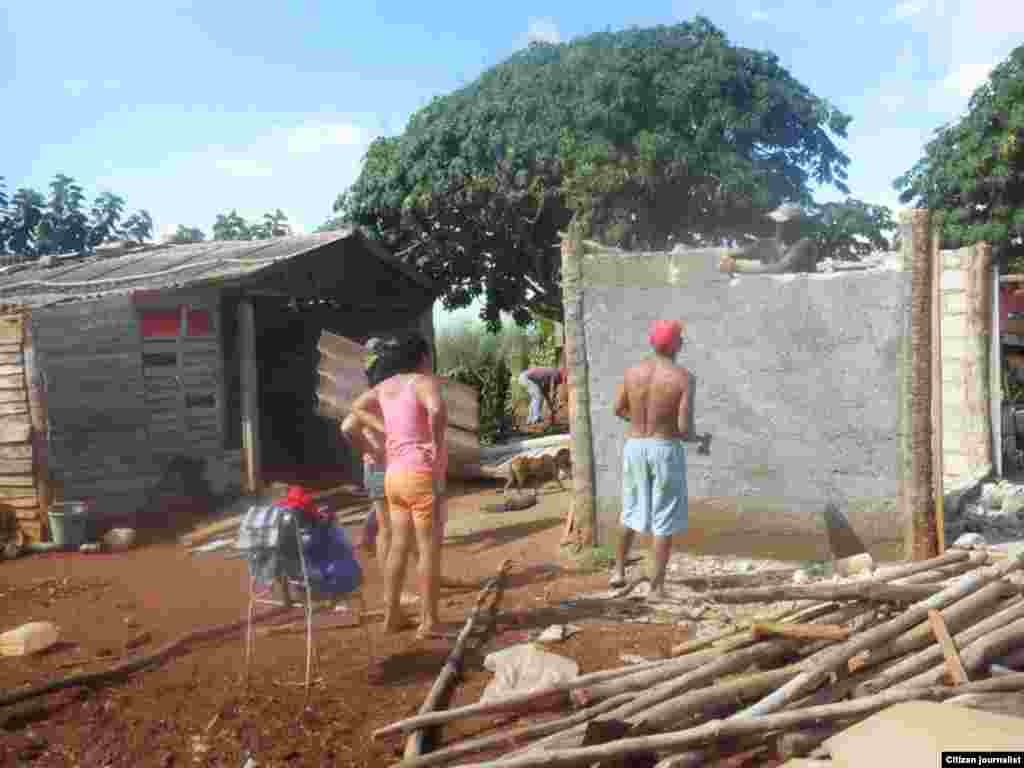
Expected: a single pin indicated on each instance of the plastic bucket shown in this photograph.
(68, 522)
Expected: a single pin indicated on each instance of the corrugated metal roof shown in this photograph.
(151, 268)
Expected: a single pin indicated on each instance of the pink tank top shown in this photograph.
(409, 442)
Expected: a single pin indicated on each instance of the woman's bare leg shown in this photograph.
(401, 535)
(429, 540)
(383, 534)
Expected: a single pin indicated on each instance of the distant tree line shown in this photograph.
(32, 225)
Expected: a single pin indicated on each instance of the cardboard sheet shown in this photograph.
(915, 733)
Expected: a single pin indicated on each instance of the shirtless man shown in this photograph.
(654, 399)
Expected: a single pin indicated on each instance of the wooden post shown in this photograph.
(921, 540)
(250, 395)
(938, 455)
(36, 387)
(583, 512)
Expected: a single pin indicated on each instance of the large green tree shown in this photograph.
(972, 172)
(647, 136)
(138, 227)
(65, 225)
(107, 211)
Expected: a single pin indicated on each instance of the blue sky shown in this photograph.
(192, 109)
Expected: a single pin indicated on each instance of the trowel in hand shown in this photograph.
(849, 555)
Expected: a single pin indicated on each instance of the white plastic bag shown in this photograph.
(524, 668)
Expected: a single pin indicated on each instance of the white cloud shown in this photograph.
(758, 15)
(905, 11)
(315, 136)
(543, 30)
(965, 79)
(76, 87)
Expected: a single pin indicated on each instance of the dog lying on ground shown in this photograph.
(541, 469)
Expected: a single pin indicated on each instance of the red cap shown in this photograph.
(666, 336)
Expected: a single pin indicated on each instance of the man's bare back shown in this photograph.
(655, 399)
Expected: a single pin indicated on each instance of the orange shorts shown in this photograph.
(410, 492)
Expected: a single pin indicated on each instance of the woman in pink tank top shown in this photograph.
(409, 408)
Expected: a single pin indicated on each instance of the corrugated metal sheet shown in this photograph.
(154, 268)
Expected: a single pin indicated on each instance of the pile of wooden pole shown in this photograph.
(932, 630)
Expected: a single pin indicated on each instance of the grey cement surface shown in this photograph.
(798, 381)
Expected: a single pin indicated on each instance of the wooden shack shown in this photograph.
(112, 367)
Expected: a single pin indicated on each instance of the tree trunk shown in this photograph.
(583, 510)
(921, 536)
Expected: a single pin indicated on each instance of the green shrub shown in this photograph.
(477, 358)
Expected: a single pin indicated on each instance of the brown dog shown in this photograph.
(541, 469)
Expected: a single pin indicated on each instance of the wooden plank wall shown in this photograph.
(342, 378)
(18, 483)
(91, 354)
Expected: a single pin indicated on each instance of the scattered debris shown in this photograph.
(556, 633)
(632, 658)
(29, 638)
(119, 539)
(212, 546)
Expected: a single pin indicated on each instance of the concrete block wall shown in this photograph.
(956, 466)
(799, 381)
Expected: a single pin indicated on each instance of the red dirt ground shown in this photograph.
(158, 717)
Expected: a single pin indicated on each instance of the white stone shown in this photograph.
(801, 577)
(970, 541)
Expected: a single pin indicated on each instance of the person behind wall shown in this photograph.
(540, 384)
(654, 398)
(408, 407)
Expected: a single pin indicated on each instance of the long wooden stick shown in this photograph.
(810, 679)
(800, 631)
(665, 695)
(415, 745)
(979, 654)
(924, 660)
(957, 673)
(126, 668)
(512, 738)
(550, 696)
(719, 730)
(960, 615)
(857, 590)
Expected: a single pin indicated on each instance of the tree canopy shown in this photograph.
(183, 235)
(32, 225)
(231, 226)
(647, 136)
(851, 229)
(972, 171)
